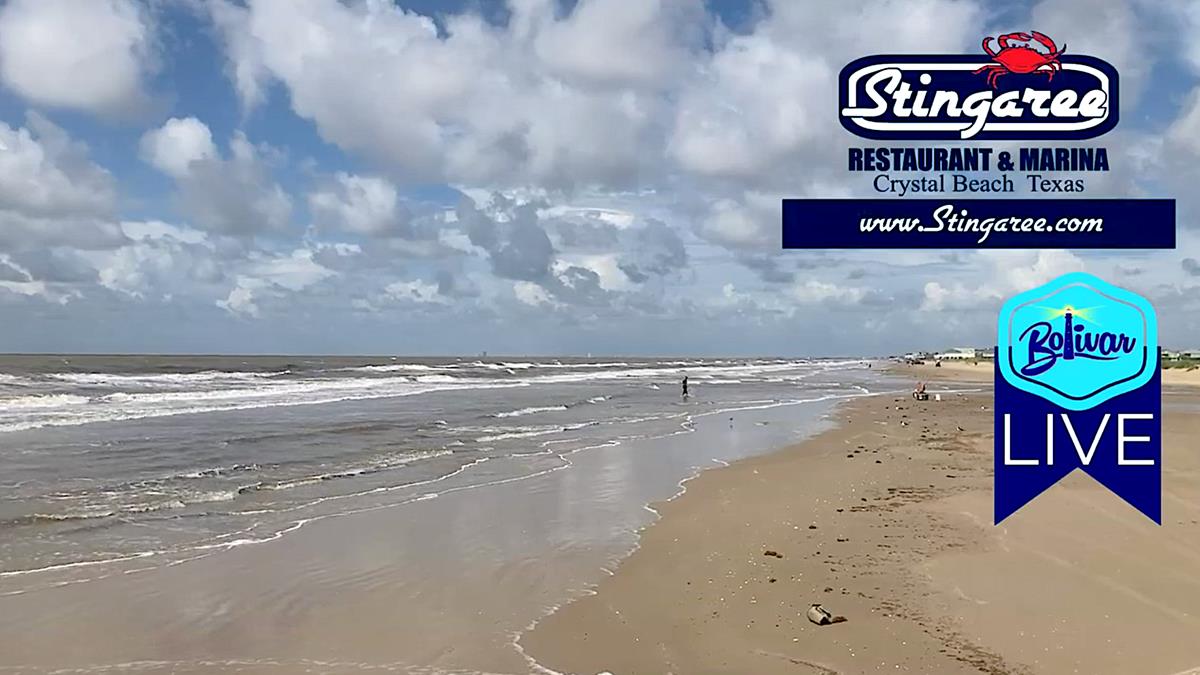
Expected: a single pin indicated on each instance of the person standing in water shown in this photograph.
(685, 389)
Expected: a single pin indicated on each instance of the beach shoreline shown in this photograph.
(430, 566)
(886, 519)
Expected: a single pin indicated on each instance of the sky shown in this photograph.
(519, 177)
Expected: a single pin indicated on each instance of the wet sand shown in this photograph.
(887, 520)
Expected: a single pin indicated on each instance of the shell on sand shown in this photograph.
(821, 616)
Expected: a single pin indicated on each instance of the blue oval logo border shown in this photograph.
(1109, 123)
(1005, 342)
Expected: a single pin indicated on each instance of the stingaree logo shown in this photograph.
(1027, 89)
(1078, 387)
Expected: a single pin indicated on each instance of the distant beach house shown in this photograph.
(959, 354)
(1180, 355)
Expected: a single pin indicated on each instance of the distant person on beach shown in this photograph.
(685, 389)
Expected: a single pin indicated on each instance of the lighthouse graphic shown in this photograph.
(1068, 332)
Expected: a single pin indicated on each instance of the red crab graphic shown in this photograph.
(1020, 58)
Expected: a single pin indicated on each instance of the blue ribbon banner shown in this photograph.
(1078, 386)
(1045, 442)
(978, 223)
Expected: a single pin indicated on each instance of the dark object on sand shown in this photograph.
(773, 554)
(821, 616)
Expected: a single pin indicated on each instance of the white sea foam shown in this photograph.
(163, 380)
(531, 410)
(395, 368)
(42, 401)
(34, 412)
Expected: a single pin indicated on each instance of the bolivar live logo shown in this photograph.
(1078, 387)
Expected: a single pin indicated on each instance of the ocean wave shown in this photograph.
(519, 434)
(385, 462)
(438, 379)
(531, 410)
(15, 380)
(39, 401)
(395, 368)
(158, 380)
(102, 511)
(119, 406)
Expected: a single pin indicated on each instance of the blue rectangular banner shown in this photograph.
(979, 223)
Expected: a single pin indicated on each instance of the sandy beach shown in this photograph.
(887, 520)
(981, 371)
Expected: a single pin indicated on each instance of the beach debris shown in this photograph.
(773, 554)
(822, 617)
(812, 527)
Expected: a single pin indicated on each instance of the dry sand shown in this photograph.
(982, 371)
(888, 521)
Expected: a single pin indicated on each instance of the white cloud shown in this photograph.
(90, 55)
(272, 277)
(752, 221)
(763, 107)
(1022, 274)
(366, 205)
(242, 298)
(235, 195)
(814, 290)
(606, 267)
(531, 294)
(1006, 273)
(1110, 30)
(173, 147)
(158, 230)
(618, 43)
(949, 296)
(45, 173)
(51, 193)
(761, 100)
(414, 291)
(295, 271)
(1184, 132)
(478, 105)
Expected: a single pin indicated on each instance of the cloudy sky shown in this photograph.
(529, 176)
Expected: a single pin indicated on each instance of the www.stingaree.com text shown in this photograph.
(948, 218)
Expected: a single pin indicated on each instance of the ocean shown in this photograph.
(124, 465)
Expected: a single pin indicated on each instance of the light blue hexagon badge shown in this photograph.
(1077, 341)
